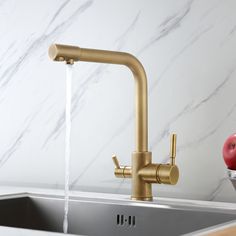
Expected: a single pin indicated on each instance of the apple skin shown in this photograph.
(229, 152)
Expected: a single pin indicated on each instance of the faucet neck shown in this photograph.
(70, 53)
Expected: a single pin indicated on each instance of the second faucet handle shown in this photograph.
(121, 171)
(116, 162)
(173, 149)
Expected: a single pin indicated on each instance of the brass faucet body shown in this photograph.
(142, 171)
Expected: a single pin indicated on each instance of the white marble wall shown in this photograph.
(188, 49)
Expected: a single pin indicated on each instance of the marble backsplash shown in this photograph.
(188, 50)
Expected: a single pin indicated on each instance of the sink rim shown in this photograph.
(164, 203)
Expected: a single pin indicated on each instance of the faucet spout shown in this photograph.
(69, 54)
(142, 171)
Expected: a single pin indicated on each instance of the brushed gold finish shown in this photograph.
(116, 162)
(141, 189)
(70, 62)
(173, 148)
(149, 173)
(160, 173)
(121, 171)
(57, 51)
(61, 59)
(142, 171)
(167, 174)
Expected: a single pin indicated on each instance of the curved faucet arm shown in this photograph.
(70, 54)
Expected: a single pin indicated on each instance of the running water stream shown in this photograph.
(67, 144)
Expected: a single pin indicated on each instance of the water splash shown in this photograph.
(67, 144)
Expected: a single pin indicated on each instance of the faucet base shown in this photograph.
(142, 198)
(141, 190)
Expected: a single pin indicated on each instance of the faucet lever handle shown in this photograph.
(173, 148)
(116, 162)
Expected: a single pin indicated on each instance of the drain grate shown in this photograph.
(124, 220)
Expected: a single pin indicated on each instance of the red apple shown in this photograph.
(229, 152)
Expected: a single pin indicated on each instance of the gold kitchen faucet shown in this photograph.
(142, 171)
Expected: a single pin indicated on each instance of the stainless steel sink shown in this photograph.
(97, 216)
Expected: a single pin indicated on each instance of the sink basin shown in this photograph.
(100, 216)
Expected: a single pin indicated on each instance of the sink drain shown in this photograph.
(123, 220)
